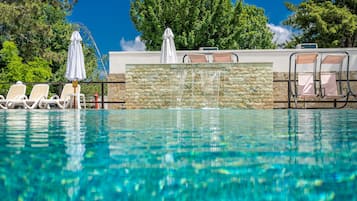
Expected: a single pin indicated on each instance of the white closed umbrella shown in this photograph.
(168, 49)
(74, 136)
(75, 63)
(73, 123)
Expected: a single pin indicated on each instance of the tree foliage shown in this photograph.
(329, 23)
(199, 23)
(63, 4)
(37, 28)
(15, 69)
(41, 32)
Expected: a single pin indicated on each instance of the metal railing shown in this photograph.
(102, 92)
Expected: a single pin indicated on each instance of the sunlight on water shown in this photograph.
(216, 154)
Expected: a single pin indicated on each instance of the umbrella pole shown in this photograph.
(74, 85)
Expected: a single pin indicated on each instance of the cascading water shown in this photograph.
(196, 87)
(210, 85)
(181, 75)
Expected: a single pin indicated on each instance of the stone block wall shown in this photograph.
(116, 91)
(242, 85)
(248, 85)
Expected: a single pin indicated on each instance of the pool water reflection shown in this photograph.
(217, 154)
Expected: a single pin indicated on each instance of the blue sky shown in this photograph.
(110, 24)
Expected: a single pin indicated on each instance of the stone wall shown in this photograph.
(228, 85)
(248, 85)
(116, 91)
(242, 85)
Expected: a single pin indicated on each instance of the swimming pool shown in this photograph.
(178, 155)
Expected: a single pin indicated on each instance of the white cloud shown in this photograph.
(132, 45)
(281, 34)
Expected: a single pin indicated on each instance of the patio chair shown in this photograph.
(197, 58)
(306, 86)
(304, 81)
(15, 93)
(65, 100)
(329, 86)
(225, 57)
(38, 92)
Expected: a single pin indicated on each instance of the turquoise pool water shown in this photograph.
(178, 155)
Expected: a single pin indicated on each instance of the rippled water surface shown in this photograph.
(178, 155)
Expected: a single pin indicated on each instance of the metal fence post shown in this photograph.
(102, 91)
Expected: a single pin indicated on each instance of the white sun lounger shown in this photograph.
(65, 100)
(38, 93)
(15, 93)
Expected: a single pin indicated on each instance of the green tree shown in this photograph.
(198, 23)
(351, 4)
(63, 4)
(327, 23)
(41, 33)
(40, 29)
(37, 70)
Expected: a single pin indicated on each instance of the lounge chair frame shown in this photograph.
(341, 58)
(337, 59)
